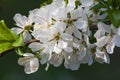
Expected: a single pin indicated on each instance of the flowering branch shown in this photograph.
(72, 32)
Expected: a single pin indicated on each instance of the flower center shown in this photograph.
(57, 37)
(28, 27)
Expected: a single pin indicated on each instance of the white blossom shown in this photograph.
(30, 62)
(102, 56)
(24, 23)
(63, 35)
(57, 59)
(87, 3)
(106, 36)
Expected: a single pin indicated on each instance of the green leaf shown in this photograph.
(19, 42)
(97, 7)
(114, 3)
(110, 2)
(104, 3)
(5, 34)
(5, 47)
(115, 17)
(8, 39)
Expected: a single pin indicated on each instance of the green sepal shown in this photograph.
(19, 51)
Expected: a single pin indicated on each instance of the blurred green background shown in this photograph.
(10, 70)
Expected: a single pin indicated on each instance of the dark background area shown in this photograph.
(10, 70)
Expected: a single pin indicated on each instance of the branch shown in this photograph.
(31, 41)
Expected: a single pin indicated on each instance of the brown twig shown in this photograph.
(30, 41)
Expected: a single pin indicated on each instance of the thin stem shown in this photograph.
(30, 41)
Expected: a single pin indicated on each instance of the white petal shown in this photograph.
(102, 41)
(76, 45)
(119, 31)
(28, 54)
(82, 54)
(88, 58)
(67, 37)
(68, 49)
(26, 36)
(75, 14)
(72, 63)
(60, 3)
(57, 49)
(81, 24)
(24, 60)
(86, 38)
(46, 54)
(114, 29)
(86, 3)
(30, 19)
(56, 60)
(103, 16)
(60, 26)
(110, 48)
(107, 58)
(102, 57)
(99, 34)
(62, 44)
(71, 3)
(78, 34)
(38, 34)
(103, 27)
(35, 46)
(69, 30)
(20, 20)
(61, 14)
(116, 40)
(31, 66)
(17, 30)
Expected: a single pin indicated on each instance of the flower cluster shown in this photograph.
(66, 31)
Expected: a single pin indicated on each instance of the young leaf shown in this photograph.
(5, 47)
(5, 34)
(19, 42)
(8, 39)
(97, 7)
(115, 17)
